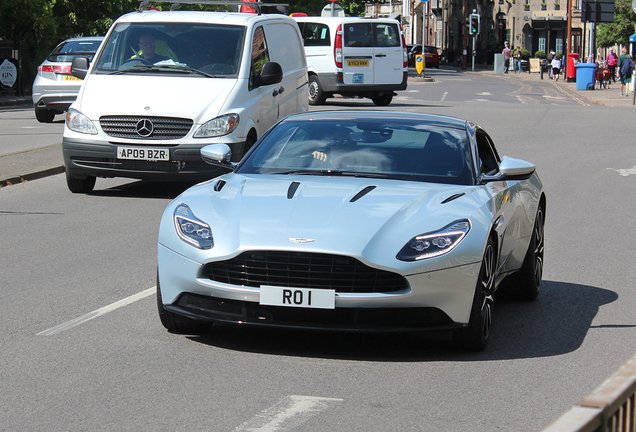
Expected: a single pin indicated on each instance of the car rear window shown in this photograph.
(68, 50)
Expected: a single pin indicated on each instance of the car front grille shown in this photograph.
(163, 128)
(303, 270)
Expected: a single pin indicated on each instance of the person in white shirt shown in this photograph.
(556, 67)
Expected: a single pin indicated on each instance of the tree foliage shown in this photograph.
(618, 32)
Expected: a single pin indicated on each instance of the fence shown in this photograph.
(609, 408)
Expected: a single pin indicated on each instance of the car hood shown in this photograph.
(323, 214)
(197, 98)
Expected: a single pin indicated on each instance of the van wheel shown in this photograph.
(80, 185)
(44, 115)
(382, 100)
(316, 95)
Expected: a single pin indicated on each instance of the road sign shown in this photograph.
(8, 73)
(419, 63)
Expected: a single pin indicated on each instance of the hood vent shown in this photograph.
(362, 193)
(453, 197)
(292, 189)
(219, 185)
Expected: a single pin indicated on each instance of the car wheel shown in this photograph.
(177, 323)
(44, 115)
(383, 100)
(316, 95)
(80, 185)
(474, 337)
(526, 283)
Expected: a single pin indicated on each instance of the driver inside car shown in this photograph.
(147, 50)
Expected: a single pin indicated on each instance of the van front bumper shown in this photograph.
(83, 157)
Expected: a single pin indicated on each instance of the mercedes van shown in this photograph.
(164, 84)
(365, 57)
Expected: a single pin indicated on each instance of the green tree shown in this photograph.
(89, 17)
(618, 32)
(31, 21)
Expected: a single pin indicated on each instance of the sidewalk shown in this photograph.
(42, 162)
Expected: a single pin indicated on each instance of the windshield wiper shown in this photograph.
(162, 68)
(334, 173)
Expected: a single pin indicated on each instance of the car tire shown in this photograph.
(176, 323)
(80, 185)
(474, 337)
(44, 115)
(316, 95)
(526, 283)
(382, 100)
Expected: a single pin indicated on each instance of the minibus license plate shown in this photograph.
(358, 63)
(146, 153)
(298, 297)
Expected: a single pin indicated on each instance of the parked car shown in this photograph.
(431, 56)
(54, 88)
(355, 220)
(363, 57)
(166, 83)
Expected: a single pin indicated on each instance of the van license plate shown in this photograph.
(298, 297)
(358, 63)
(147, 154)
(358, 78)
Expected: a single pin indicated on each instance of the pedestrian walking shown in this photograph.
(611, 62)
(550, 57)
(507, 54)
(518, 60)
(626, 69)
(556, 67)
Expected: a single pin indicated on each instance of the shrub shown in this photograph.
(540, 54)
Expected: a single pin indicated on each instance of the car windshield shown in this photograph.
(403, 150)
(198, 49)
(68, 50)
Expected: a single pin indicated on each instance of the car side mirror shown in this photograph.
(79, 67)
(218, 155)
(511, 169)
(272, 73)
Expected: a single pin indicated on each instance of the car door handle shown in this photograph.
(275, 93)
(281, 90)
(380, 55)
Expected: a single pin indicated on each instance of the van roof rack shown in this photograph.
(176, 4)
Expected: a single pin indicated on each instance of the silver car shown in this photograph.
(54, 88)
(355, 220)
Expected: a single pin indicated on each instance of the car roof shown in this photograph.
(429, 119)
(342, 19)
(235, 18)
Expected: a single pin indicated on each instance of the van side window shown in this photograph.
(487, 156)
(358, 35)
(260, 54)
(315, 34)
(387, 35)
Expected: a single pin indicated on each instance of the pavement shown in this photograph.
(41, 162)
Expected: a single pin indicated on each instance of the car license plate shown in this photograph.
(145, 153)
(358, 78)
(70, 78)
(358, 63)
(298, 297)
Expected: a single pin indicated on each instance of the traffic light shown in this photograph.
(475, 24)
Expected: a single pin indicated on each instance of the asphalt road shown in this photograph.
(66, 256)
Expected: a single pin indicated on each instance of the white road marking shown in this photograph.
(288, 414)
(97, 313)
(484, 94)
(625, 171)
(444, 96)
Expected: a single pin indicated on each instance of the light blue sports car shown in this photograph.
(355, 220)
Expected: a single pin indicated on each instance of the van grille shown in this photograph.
(303, 270)
(163, 128)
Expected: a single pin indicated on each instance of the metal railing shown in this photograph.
(609, 408)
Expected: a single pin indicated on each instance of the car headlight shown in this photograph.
(436, 243)
(78, 122)
(191, 229)
(218, 126)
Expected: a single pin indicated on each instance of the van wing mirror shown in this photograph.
(218, 155)
(272, 73)
(79, 67)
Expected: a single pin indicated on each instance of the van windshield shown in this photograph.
(202, 49)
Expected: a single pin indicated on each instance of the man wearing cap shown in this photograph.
(507, 54)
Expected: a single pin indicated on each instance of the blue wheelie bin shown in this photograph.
(585, 76)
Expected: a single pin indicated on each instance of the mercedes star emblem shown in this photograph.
(144, 128)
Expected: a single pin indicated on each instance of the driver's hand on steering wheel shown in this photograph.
(320, 156)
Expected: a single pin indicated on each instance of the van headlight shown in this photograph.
(78, 122)
(218, 126)
(192, 229)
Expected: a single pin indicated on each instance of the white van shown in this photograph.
(165, 84)
(350, 56)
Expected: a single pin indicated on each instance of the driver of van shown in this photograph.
(147, 48)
